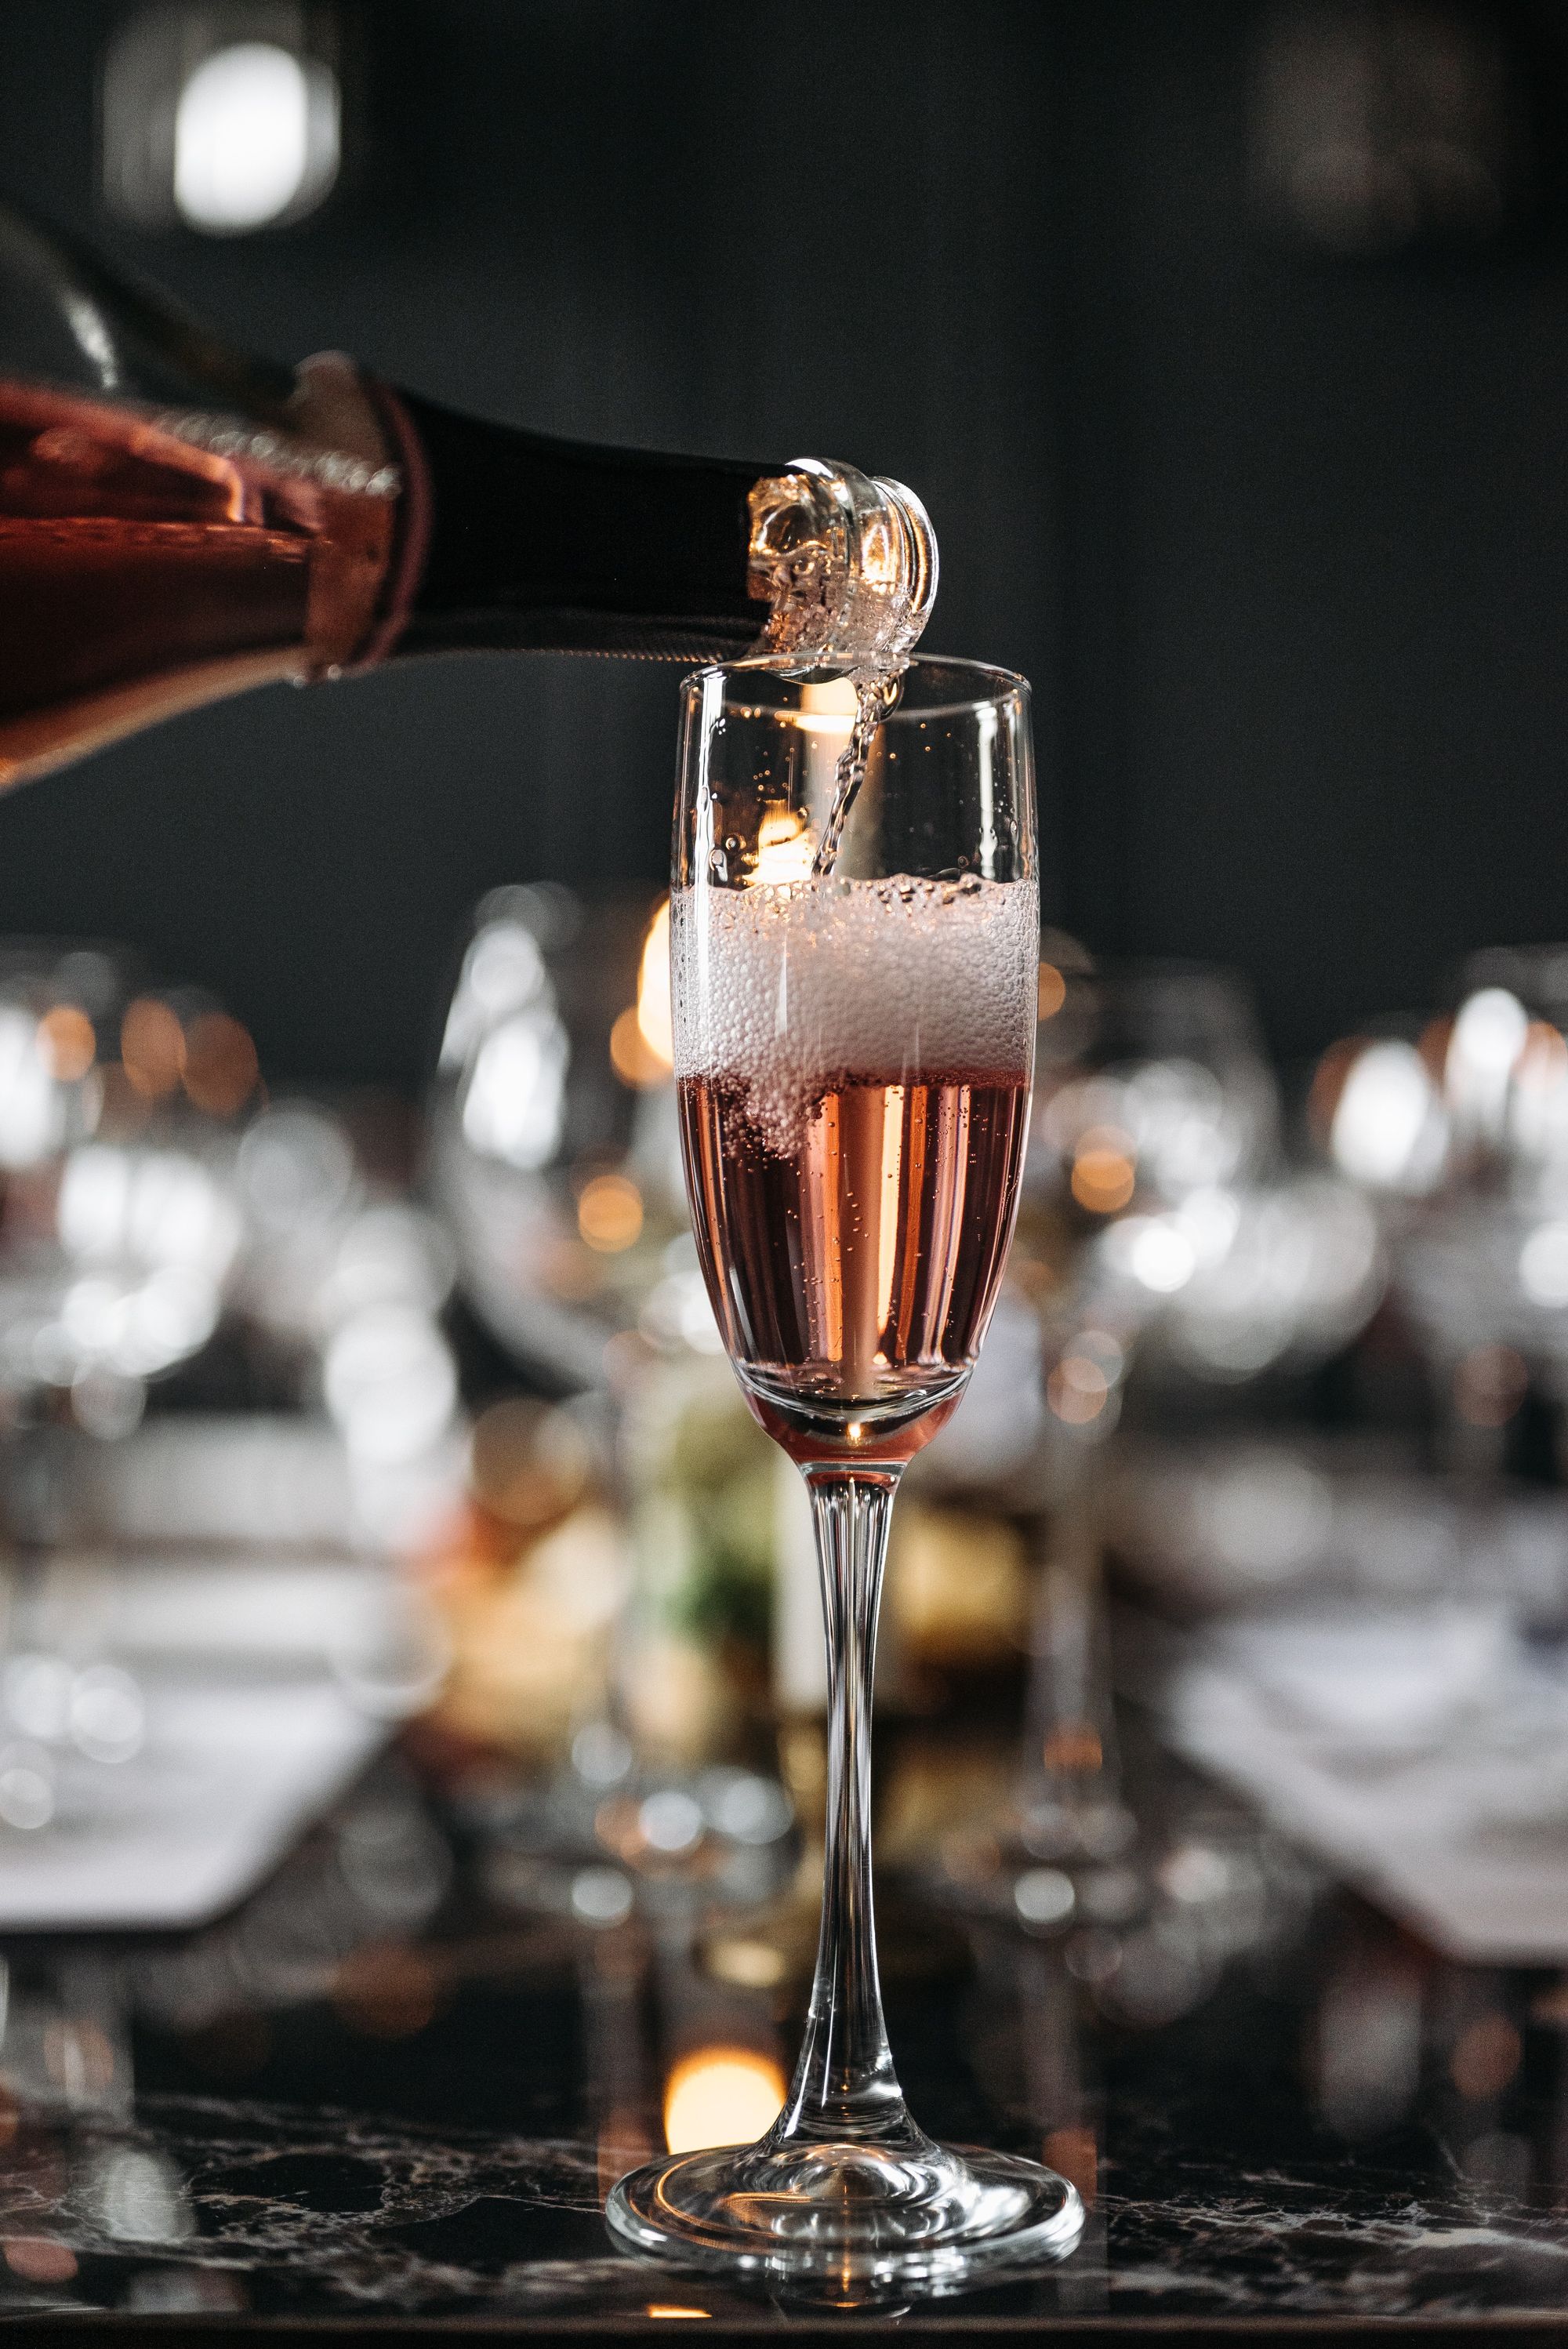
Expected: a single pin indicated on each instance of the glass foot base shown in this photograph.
(848, 2215)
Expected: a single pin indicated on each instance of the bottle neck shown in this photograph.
(514, 542)
(848, 564)
(510, 541)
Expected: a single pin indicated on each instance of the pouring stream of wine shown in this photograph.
(876, 697)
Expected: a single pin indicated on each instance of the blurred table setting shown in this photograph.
(412, 1695)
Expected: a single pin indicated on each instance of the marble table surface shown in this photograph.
(219, 2206)
(386, 2101)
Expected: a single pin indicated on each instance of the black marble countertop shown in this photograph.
(387, 2099)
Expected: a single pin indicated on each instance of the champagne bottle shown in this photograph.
(180, 521)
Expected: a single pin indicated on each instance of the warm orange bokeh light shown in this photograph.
(66, 1042)
(220, 1065)
(1052, 991)
(1104, 1175)
(721, 2096)
(630, 1055)
(610, 1213)
(152, 1047)
(655, 1019)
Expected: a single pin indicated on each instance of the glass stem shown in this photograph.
(845, 2086)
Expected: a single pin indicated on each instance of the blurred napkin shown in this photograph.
(254, 1675)
(1423, 1753)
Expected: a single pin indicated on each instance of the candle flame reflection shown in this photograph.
(655, 1021)
(721, 2096)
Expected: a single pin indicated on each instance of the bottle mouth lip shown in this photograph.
(934, 686)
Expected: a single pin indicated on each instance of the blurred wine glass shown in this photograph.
(555, 1163)
(1459, 1131)
(1161, 1225)
(346, 1279)
(119, 1233)
(554, 1151)
(1154, 1107)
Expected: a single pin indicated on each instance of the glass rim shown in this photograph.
(1001, 685)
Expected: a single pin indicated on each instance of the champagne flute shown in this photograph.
(853, 1052)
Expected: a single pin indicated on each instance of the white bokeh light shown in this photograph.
(1544, 1266)
(390, 1383)
(514, 1104)
(1388, 1126)
(31, 1118)
(1161, 1256)
(256, 137)
(1483, 1051)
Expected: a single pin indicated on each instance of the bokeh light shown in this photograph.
(1104, 1173)
(610, 1213)
(67, 1042)
(655, 1019)
(220, 1068)
(152, 1047)
(721, 2096)
(256, 137)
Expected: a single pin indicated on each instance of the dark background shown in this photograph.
(1280, 533)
